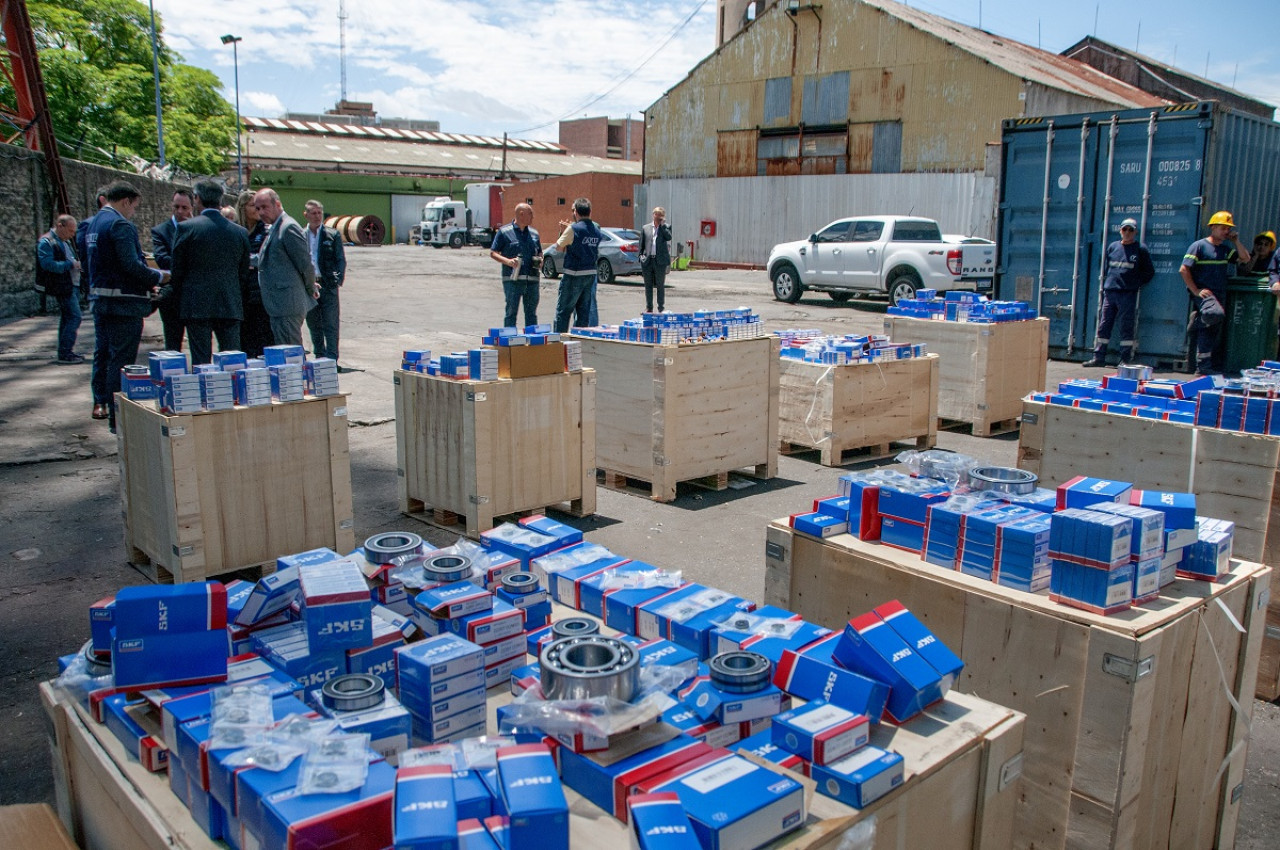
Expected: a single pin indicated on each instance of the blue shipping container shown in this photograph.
(1068, 181)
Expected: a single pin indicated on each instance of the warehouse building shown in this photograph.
(390, 173)
(857, 105)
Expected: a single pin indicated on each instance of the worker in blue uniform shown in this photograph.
(1205, 269)
(1129, 269)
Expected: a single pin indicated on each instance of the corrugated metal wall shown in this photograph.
(752, 214)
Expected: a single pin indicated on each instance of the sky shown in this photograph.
(492, 67)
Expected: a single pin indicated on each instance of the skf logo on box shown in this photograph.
(667, 830)
(901, 654)
(1100, 485)
(831, 683)
(530, 780)
(162, 617)
(1166, 498)
(425, 806)
(319, 677)
(131, 645)
(342, 627)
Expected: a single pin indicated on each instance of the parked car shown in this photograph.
(619, 255)
(890, 255)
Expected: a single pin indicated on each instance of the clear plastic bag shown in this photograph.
(951, 467)
(600, 716)
(615, 579)
(410, 573)
(511, 532)
(685, 609)
(558, 562)
(240, 716)
(78, 681)
(755, 624)
(335, 765)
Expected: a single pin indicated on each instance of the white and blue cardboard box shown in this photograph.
(918, 636)
(426, 816)
(862, 778)
(870, 646)
(336, 606)
(533, 798)
(820, 732)
(165, 609)
(608, 780)
(812, 673)
(658, 822)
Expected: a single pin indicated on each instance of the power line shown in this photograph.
(671, 37)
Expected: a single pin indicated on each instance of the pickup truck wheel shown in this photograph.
(840, 297)
(549, 268)
(786, 284)
(455, 240)
(903, 287)
(604, 272)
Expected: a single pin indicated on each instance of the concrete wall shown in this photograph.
(26, 212)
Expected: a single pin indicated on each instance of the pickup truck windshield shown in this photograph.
(916, 231)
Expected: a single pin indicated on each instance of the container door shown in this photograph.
(1161, 161)
(1045, 221)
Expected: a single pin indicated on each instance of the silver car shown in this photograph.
(619, 255)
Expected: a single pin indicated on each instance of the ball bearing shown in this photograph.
(447, 568)
(520, 583)
(1003, 479)
(95, 665)
(353, 692)
(392, 547)
(575, 627)
(589, 666)
(740, 672)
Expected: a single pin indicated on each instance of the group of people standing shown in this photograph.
(518, 248)
(1205, 270)
(248, 275)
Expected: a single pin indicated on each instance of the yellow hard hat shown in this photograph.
(1266, 234)
(1222, 217)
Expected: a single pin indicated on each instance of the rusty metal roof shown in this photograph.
(1030, 63)
(364, 130)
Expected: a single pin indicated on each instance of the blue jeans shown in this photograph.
(68, 324)
(516, 291)
(576, 298)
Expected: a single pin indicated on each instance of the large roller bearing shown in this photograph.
(589, 666)
(446, 569)
(353, 692)
(392, 547)
(740, 672)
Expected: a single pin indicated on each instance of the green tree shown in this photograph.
(95, 56)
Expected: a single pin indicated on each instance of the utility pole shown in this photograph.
(342, 45)
(155, 73)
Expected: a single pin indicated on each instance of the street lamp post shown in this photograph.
(234, 41)
(155, 73)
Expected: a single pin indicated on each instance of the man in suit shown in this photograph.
(210, 256)
(285, 274)
(655, 258)
(330, 263)
(163, 237)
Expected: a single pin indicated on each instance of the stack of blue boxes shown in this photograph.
(959, 306)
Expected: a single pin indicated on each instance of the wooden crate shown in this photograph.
(1232, 474)
(210, 493)
(962, 766)
(986, 369)
(485, 449)
(858, 405)
(671, 413)
(1130, 718)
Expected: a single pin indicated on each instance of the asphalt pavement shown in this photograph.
(60, 507)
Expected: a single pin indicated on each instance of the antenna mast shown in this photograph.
(342, 44)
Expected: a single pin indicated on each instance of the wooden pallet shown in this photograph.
(845, 455)
(158, 573)
(658, 491)
(981, 428)
(446, 520)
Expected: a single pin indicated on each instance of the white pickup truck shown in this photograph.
(890, 255)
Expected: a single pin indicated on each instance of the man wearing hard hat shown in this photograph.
(1264, 248)
(1205, 269)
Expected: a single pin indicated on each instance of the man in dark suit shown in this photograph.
(655, 258)
(330, 262)
(163, 237)
(210, 256)
(285, 274)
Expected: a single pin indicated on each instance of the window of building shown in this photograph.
(626, 202)
(777, 101)
(559, 202)
(802, 152)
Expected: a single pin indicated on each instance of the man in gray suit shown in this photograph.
(210, 256)
(285, 274)
(655, 258)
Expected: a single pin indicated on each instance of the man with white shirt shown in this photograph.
(330, 264)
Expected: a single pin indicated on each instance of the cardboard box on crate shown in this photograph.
(193, 486)
(528, 444)
(1233, 474)
(1106, 697)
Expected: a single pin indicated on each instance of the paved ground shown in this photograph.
(59, 487)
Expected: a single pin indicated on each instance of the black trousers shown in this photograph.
(200, 333)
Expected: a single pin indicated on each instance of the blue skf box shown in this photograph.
(336, 606)
(272, 594)
(608, 782)
(426, 816)
(862, 778)
(173, 658)
(165, 609)
(1179, 509)
(870, 646)
(537, 812)
(1081, 492)
(820, 732)
(659, 822)
(918, 636)
(812, 673)
(456, 599)
(359, 818)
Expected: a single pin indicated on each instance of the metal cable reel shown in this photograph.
(1003, 479)
(392, 547)
(740, 672)
(353, 692)
(447, 568)
(589, 666)
(575, 627)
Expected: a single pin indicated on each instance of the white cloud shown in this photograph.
(261, 103)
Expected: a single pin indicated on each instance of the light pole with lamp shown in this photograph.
(234, 40)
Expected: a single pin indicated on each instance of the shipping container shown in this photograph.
(1068, 181)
